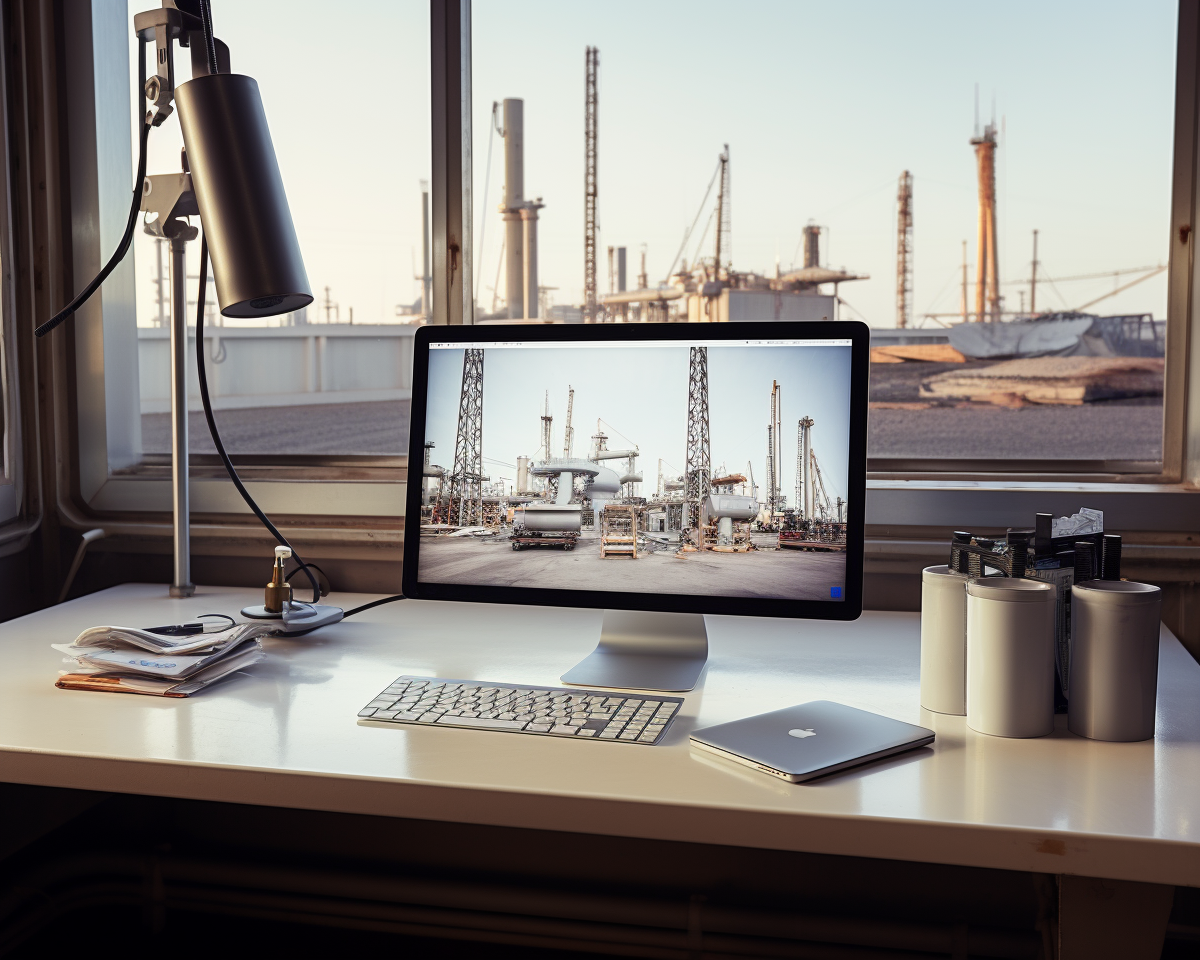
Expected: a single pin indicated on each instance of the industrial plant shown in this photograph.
(581, 516)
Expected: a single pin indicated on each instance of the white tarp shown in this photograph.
(986, 341)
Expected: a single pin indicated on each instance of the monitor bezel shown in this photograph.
(850, 608)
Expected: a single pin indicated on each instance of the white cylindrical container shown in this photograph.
(1114, 659)
(944, 640)
(1010, 656)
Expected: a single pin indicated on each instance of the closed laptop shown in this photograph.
(810, 740)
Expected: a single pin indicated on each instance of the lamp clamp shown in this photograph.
(176, 20)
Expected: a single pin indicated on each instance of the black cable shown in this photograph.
(368, 606)
(210, 43)
(311, 566)
(127, 237)
(212, 423)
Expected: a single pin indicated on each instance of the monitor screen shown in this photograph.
(716, 467)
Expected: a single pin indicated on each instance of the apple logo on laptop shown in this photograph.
(801, 734)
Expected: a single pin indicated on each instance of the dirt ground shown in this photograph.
(798, 575)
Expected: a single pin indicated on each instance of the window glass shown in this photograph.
(346, 93)
(830, 160)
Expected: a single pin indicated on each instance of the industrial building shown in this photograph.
(582, 514)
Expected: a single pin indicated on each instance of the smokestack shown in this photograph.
(812, 245)
(514, 200)
(620, 269)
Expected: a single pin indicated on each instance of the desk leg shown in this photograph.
(1112, 919)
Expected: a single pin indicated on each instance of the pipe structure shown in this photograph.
(529, 219)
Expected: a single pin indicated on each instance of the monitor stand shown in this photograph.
(645, 651)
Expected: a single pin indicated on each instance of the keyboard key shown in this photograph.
(367, 711)
(482, 723)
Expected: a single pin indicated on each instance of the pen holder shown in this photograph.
(944, 640)
(1010, 656)
(1114, 659)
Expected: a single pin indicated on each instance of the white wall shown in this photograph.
(283, 366)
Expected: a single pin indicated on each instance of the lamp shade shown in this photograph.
(255, 254)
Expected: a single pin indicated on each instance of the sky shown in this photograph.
(641, 394)
(822, 105)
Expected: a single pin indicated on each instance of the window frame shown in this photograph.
(905, 497)
(12, 465)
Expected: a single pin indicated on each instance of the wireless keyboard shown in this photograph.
(544, 711)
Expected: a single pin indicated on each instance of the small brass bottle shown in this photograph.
(279, 591)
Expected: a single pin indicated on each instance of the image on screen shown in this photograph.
(715, 468)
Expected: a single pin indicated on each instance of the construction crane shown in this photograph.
(569, 433)
(724, 253)
(904, 251)
(822, 504)
(590, 184)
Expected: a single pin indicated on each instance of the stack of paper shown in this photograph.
(129, 660)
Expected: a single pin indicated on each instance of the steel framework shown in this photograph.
(590, 184)
(698, 469)
(466, 481)
(904, 251)
(774, 446)
(569, 433)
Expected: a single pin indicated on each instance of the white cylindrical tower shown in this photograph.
(510, 209)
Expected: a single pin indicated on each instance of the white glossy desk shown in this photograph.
(285, 734)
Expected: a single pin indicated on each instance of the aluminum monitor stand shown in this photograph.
(645, 651)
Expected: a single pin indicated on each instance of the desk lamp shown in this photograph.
(230, 178)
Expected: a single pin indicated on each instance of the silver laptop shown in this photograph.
(811, 740)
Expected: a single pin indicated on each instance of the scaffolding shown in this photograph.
(619, 530)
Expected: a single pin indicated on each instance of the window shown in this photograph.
(347, 99)
(809, 160)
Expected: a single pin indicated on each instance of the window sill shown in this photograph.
(998, 503)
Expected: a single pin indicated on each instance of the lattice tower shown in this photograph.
(569, 433)
(698, 469)
(590, 184)
(904, 251)
(466, 480)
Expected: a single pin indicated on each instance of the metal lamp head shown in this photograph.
(255, 254)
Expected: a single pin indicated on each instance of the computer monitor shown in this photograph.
(656, 471)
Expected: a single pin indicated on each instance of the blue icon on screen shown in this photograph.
(835, 593)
